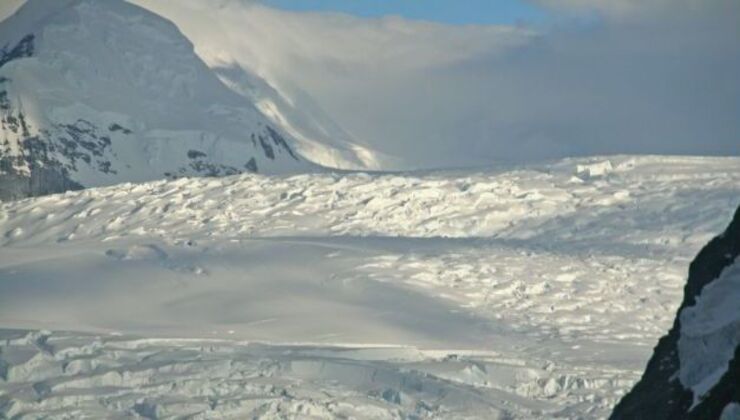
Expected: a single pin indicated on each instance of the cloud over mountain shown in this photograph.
(647, 77)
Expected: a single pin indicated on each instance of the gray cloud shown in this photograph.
(645, 85)
(435, 95)
(630, 9)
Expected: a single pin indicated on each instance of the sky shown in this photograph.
(444, 11)
(644, 77)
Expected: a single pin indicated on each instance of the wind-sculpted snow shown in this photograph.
(73, 375)
(532, 292)
(645, 205)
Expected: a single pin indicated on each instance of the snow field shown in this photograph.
(529, 292)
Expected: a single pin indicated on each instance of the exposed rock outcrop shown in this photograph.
(694, 372)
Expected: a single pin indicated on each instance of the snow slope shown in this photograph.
(100, 92)
(710, 333)
(223, 34)
(522, 292)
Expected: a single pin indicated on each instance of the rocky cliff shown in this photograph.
(694, 372)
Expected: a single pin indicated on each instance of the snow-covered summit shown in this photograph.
(99, 92)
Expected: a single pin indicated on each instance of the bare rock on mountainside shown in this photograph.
(695, 370)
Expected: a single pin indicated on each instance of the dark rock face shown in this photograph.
(24, 48)
(659, 394)
(280, 142)
(200, 164)
(45, 180)
(117, 127)
(49, 157)
(195, 154)
(277, 140)
(251, 166)
(45, 174)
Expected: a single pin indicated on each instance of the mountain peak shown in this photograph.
(101, 92)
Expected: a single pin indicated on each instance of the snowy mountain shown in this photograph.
(217, 30)
(694, 372)
(528, 292)
(319, 138)
(99, 92)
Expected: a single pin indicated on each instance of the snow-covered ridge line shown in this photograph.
(550, 204)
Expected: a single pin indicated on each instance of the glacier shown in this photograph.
(507, 292)
(184, 234)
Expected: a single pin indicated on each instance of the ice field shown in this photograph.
(508, 292)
